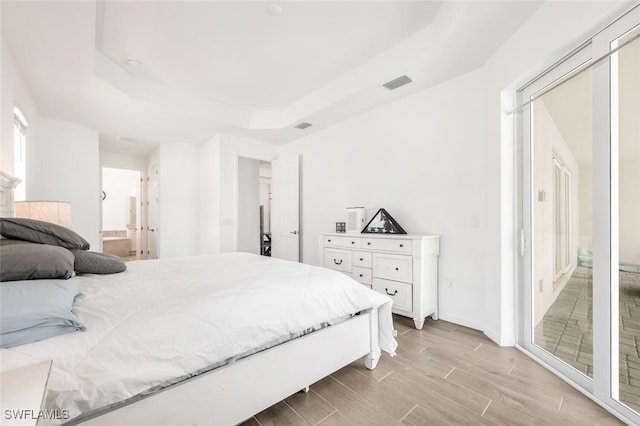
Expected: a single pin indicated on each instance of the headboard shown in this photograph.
(7, 185)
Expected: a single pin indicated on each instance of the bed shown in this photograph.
(205, 339)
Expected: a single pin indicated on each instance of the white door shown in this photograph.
(285, 209)
(152, 212)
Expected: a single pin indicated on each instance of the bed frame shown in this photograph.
(231, 394)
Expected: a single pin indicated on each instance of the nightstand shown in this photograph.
(22, 393)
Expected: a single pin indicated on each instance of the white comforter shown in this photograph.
(164, 319)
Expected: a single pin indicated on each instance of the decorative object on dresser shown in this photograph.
(383, 223)
(405, 267)
(341, 227)
(355, 219)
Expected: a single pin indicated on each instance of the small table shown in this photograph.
(22, 393)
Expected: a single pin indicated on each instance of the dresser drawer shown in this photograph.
(388, 244)
(343, 241)
(337, 259)
(393, 267)
(401, 293)
(362, 258)
(362, 275)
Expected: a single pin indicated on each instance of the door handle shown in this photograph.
(294, 232)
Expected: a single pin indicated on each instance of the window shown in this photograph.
(20, 153)
(561, 218)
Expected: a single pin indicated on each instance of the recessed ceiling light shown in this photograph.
(274, 9)
(133, 62)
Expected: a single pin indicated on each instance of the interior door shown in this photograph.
(285, 209)
(152, 212)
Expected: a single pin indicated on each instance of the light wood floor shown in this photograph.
(443, 375)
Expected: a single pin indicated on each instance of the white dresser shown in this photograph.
(405, 267)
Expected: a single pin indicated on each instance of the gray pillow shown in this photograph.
(91, 262)
(38, 231)
(36, 310)
(30, 261)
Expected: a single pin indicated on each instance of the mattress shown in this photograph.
(163, 320)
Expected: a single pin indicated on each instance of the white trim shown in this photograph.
(500, 339)
(574, 385)
(18, 113)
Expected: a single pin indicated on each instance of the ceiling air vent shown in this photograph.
(302, 125)
(398, 82)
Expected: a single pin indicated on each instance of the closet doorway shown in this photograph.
(254, 206)
(122, 212)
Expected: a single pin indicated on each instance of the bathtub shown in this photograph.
(116, 242)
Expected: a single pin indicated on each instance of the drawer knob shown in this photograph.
(361, 259)
(369, 244)
(361, 275)
(386, 290)
(353, 242)
(397, 269)
(329, 240)
(336, 262)
(401, 245)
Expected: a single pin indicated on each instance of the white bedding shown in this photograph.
(165, 319)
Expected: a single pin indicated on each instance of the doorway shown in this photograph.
(254, 206)
(579, 209)
(122, 212)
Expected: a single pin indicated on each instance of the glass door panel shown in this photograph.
(625, 124)
(562, 230)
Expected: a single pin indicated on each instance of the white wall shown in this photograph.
(248, 205)
(63, 165)
(442, 160)
(123, 161)
(629, 152)
(179, 196)
(547, 140)
(13, 93)
(62, 157)
(209, 194)
(414, 158)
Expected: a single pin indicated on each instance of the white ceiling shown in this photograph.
(210, 67)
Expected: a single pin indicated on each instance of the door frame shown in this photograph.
(602, 388)
(142, 250)
(236, 187)
(525, 219)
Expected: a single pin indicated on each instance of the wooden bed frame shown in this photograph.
(233, 393)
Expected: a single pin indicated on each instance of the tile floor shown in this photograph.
(567, 330)
(444, 374)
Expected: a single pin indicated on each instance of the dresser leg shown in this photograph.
(419, 322)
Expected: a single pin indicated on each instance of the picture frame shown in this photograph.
(383, 223)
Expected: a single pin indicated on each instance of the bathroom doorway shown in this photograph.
(122, 212)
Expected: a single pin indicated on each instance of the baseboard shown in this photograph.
(498, 339)
(466, 322)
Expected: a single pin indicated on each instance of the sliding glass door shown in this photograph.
(580, 215)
